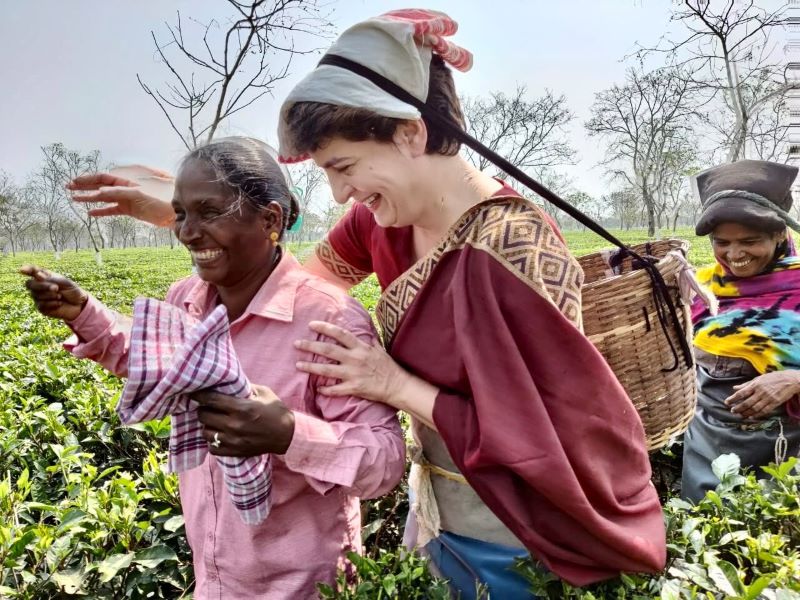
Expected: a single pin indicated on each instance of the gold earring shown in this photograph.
(274, 238)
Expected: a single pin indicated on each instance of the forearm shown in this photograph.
(416, 397)
(101, 335)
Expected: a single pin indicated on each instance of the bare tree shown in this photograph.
(678, 161)
(729, 53)
(333, 212)
(528, 132)
(643, 121)
(62, 165)
(624, 206)
(675, 193)
(17, 215)
(768, 135)
(232, 64)
(308, 181)
(554, 180)
(52, 205)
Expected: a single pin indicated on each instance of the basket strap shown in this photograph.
(664, 304)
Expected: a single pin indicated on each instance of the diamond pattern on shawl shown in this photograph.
(514, 232)
(338, 266)
(553, 269)
(171, 355)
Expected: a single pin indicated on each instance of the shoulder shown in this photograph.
(519, 235)
(509, 223)
(318, 299)
(521, 239)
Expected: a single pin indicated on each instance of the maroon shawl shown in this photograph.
(529, 410)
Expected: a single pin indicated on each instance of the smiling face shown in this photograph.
(227, 246)
(382, 176)
(743, 251)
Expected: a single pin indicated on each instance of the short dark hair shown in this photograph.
(246, 166)
(312, 124)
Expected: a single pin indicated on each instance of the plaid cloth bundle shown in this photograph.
(171, 355)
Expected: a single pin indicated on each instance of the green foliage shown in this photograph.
(87, 511)
(85, 507)
(740, 542)
(390, 575)
(586, 242)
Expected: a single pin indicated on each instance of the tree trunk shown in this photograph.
(651, 215)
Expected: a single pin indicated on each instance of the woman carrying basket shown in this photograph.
(748, 349)
(527, 441)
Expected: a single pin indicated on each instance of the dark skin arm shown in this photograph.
(55, 296)
(245, 426)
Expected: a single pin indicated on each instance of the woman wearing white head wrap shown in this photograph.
(481, 320)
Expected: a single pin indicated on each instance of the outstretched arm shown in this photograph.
(146, 198)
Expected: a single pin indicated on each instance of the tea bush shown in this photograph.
(86, 509)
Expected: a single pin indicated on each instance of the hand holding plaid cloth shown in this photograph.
(171, 355)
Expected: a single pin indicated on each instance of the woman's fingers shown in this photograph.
(48, 306)
(40, 284)
(330, 351)
(214, 400)
(93, 181)
(739, 395)
(109, 194)
(107, 211)
(755, 405)
(42, 291)
(322, 369)
(37, 273)
(218, 441)
(344, 337)
(340, 389)
(212, 419)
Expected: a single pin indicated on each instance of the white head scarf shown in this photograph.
(397, 45)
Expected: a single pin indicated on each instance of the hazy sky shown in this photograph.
(68, 69)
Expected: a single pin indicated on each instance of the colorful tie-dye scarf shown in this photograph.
(758, 318)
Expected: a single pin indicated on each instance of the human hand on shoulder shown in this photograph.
(366, 371)
(54, 295)
(363, 370)
(762, 395)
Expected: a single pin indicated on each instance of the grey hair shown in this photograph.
(247, 167)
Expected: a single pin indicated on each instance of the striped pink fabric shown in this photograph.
(173, 354)
(430, 27)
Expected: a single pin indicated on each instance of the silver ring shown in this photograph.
(217, 442)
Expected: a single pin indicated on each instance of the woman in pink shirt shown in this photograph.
(232, 205)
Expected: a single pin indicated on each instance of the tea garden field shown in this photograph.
(87, 511)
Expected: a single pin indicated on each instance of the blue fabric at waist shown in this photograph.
(466, 562)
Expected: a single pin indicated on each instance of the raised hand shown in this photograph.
(54, 295)
(143, 198)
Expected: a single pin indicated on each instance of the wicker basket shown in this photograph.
(619, 317)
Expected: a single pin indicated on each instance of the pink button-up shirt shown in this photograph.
(343, 448)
